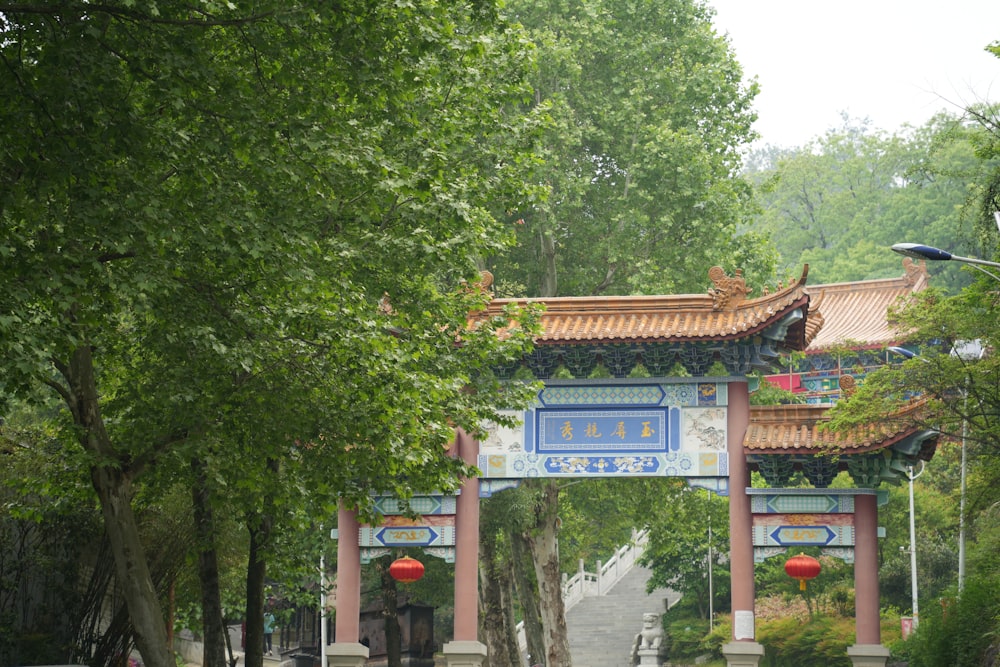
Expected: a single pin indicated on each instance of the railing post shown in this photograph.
(600, 579)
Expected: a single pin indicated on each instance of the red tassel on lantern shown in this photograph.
(406, 570)
(803, 568)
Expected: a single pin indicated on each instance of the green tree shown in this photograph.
(201, 207)
(640, 165)
(692, 524)
(962, 400)
(649, 109)
(841, 201)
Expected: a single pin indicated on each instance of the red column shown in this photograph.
(348, 577)
(866, 617)
(467, 547)
(740, 518)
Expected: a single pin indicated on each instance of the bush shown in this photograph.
(960, 632)
(819, 640)
(685, 638)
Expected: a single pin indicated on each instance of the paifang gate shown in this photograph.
(662, 425)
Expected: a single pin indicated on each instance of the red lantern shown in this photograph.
(803, 568)
(406, 570)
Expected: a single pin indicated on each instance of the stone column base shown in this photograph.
(868, 655)
(743, 654)
(464, 654)
(649, 657)
(346, 655)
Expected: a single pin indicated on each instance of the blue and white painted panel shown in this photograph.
(424, 505)
(614, 430)
(406, 536)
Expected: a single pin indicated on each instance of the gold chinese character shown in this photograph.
(567, 430)
(646, 431)
(592, 430)
(620, 431)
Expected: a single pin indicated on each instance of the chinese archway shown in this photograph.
(699, 427)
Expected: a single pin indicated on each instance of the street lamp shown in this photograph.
(966, 351)
(913, 545)
(920, 251)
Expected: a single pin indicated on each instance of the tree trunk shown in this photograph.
(544, 546)
(212, 623)
(259, 525)
(112, 480)
(527, 593)
(513, 650)
(115, 492)
(549, 276)
(256, 571)
(390, 615)
(490, 618)
(496, 607)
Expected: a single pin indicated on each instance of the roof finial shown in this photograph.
(728, 292)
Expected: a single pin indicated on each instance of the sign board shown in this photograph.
(618, 429)
(396, 531)
(806, 530)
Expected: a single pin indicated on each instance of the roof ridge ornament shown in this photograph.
(728, 292)
(914, 271)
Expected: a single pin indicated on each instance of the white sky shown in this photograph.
(892, 61)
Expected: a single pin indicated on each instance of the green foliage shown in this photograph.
(684, 637)
(789, 642)
(648, 109)
(965, 627)
(246, 233)
(48, 542)
(171, 200)
(772, 580)
(678, 551)
(582, 536)
(839, 203)
(959, 632)
(771, 394)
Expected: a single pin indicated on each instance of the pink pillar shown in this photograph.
(467, 547)
(740, 517)
(348, 577)
(866, 616)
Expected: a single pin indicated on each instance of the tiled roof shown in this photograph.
(722, 314)
(856, 312)
(795, 429)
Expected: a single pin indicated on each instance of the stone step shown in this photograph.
(602, 629)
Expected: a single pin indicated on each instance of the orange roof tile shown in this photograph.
(795, 429)
(857, 312)
(722, 314)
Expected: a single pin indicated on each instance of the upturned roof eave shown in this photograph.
(747, 317)
(806, 418)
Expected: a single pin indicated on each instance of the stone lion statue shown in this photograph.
(649, 638)
(652, 634)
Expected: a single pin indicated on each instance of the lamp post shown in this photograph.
(966, 350)
(921, 251)
(913, 546)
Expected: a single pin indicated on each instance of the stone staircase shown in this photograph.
(601, 628)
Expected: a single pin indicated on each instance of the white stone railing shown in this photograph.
(585, 584)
